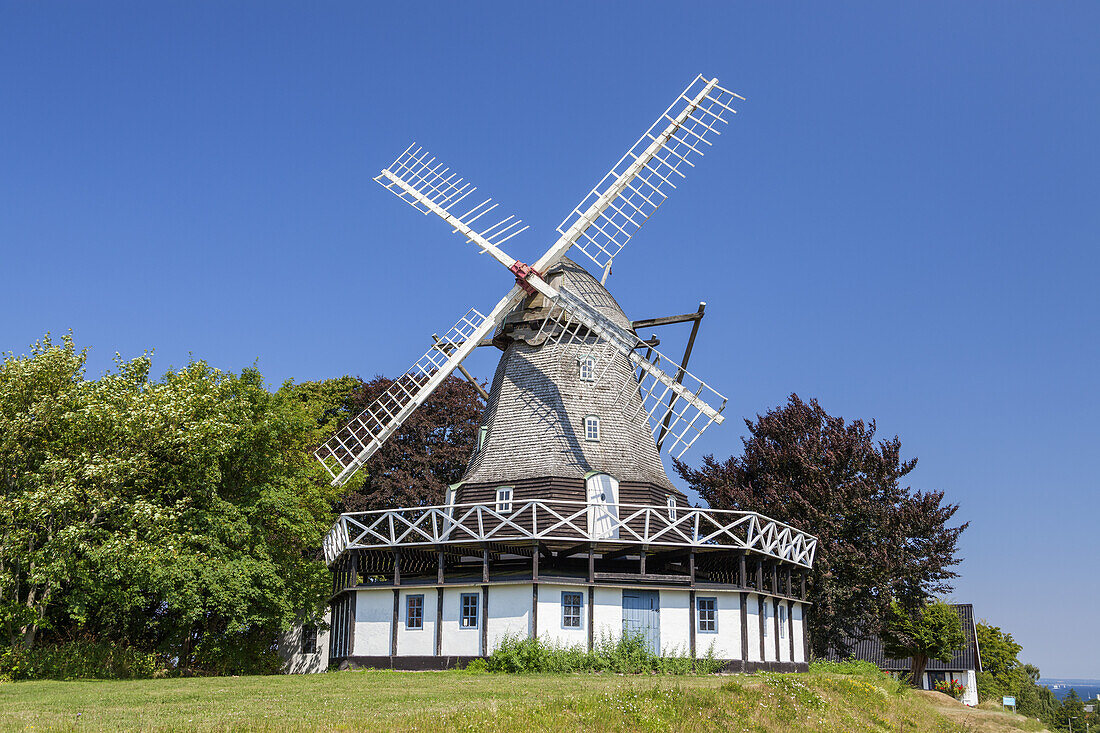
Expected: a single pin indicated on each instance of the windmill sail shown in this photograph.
(419, 181)
(357, 441)
(678, 406)
(605, 220)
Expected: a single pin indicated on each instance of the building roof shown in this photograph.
(965, 657)
(538, 403)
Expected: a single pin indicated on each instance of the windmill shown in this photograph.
(565, 507)
(679, 406)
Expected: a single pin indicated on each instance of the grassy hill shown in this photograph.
(827, 699)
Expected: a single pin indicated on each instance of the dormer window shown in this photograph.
(588, 368)
(592, 428)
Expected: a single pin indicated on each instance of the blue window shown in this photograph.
(571, 604)
(468, 619)
(708, 615)
(414, 612)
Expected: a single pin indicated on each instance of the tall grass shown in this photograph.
(626, 654)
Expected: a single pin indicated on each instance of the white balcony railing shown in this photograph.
(538, 520)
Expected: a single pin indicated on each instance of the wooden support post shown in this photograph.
(591, 617)
(775, 606)
(485, 619)
(396, 568)
(439, 621)
(744, 628)
(759, 576)
(591, 563)
(353, 568)
(692, 623)
(534, 610)
(484, 566)
(439, 568)
(393, 626)
(680, 375)
(790, 626)
(775, 579)
(760, 624)
(642, 563)
(802, 578)
(788, 584)
(691, 569)
(744, 572)
(535, 565)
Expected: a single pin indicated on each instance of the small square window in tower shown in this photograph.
(504, 499)
(592, 428)
(587, 368)
(670, 502)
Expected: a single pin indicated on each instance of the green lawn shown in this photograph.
(436, 701)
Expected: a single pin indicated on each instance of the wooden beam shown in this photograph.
(439, 569)
(744, 572)
(484, 566)
(535, 565)
(447, 349)
(439, 622)
(393, 626)
(397, 568)
(680, 373)
(666, 320)
(591, 613)
(691, 569)
(573, 550)
(616, 554)
(744, 627)
(591, 563)
(692, 620)
(485, 620)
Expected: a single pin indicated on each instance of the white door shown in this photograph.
(603, 507)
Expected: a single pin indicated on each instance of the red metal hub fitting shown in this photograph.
(523, 271)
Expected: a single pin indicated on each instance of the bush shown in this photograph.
(627, 654)
(476, 666)
(80, 659)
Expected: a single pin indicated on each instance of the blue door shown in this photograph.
(641, 615)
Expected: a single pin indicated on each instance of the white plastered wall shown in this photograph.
(675, 623)
(799, 610)
(783, 626)
(726, 644)
(608, 613)
(550, 628)
(373, 619)
(290, 649)
(769, 629)
(416, 642)
(509, 613)
(752, 608)
(458, 641)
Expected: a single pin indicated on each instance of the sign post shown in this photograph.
(1007, 701)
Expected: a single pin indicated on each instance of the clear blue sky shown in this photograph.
(902, 221)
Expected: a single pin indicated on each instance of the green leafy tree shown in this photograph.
(931, 632)
(181, 515)
(878, 540)
(1004, 674)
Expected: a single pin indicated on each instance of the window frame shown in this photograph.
(764, 619)
(408, 608)
(587, 362)
(713, 600)
(580, 610)
(781, 619)
(308, 629)
(475, 606)
(670, 502)
(504, 504)
(596, 424)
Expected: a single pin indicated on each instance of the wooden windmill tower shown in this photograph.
(565, 525)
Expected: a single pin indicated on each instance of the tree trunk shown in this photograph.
(916, 670)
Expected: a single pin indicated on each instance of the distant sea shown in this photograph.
(1086, 689)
